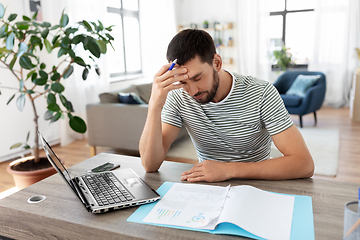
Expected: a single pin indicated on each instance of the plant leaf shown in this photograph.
(70, 30)
(30, 91)
(20, 102)
(21, 85)
(54, 27)
(12, 63)
(48, 114)
(40, 81)
(22, 49)
(10, 41)
(43, 74)
(42, 66)
(64, 20)
(61, 52)
(46, 24)
(12, 17)
(47, 45)
(53, 107)
(3, 30)
(97, 70)
(86, 25)
(12, 97)
(77, 124)
(77, 39)
(51, 98)
(65, 42)
(35, 40)
(63, 99)
(27, 137)
(85, 73)
(25, 62)
(94, 48)
(68, 72)
(55, 117)
(23, 25)
(57, 87)
(16, 145)
(80, 61)
(56, 76)
(102, 45)
(35, 15)
(55, 39)
(25, 18)
(45, 33)
(109, 36)
(2, 10)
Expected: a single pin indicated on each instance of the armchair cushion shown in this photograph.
(301, 84)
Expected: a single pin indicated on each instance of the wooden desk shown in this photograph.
(62, 216)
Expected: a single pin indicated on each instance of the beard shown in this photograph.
(209, 95)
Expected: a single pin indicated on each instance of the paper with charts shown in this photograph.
(265, 214)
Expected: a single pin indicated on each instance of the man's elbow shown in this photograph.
(309, 168)
(149, 167)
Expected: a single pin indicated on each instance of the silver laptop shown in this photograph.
(105, 191)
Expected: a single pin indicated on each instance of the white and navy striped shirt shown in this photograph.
(236, 129)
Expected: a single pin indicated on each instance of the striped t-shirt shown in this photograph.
(238, 128)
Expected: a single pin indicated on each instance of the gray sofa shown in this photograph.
(118, 125)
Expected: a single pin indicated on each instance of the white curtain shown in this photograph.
(78, 91)
(336, 30)
(253, 41)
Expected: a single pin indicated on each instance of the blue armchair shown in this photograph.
(302, 105)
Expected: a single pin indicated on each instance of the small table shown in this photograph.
(61, 215)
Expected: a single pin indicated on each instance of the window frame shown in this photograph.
(126, 75)
(283, 38)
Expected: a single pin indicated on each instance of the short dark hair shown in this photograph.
(188, 44)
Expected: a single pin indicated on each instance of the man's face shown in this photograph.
(203, 81)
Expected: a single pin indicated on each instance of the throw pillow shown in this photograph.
(130, 98)
(301, 84)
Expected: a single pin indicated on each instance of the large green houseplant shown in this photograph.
(21, 45)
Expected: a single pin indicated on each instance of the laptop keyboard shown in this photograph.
(106, 189)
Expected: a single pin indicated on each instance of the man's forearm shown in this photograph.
(151, 144)
(287, 167)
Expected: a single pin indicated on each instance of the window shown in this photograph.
(292, 26)
(125, 61)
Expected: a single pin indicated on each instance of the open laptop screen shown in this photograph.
(54, 160)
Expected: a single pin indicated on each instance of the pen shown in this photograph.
(172, 65)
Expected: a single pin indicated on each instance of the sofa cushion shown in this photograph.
(291, 100)
(144, 91)
(109, 97)
(130, 98)
(301, 84)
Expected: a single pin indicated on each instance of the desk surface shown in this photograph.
(62, 215)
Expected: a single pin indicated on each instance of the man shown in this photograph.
(231, 118)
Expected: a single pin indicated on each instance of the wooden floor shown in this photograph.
(349, 162)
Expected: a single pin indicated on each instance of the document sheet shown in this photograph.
(190, 205)
(264, 214)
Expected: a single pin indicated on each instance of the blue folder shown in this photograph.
(302, 224)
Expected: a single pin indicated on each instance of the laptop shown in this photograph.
(105, 191)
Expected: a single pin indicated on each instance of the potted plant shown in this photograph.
(205, 24)
(23, 43)
(283, 58)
